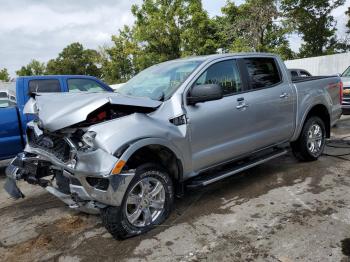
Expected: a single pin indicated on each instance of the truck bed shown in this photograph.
(308, 78)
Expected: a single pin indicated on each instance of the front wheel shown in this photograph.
(311, 142)
(147, 203)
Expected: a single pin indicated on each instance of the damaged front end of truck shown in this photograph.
(70, 159)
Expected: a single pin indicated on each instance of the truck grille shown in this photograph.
(51, 143)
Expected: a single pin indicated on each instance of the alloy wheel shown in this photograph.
(145, 202)
(315, 139)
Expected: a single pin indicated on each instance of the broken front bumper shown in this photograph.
(85, 190)
(10, 184)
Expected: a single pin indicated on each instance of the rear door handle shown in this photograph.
(284, 95)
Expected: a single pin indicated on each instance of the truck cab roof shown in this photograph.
(55, 77)
(212, 57)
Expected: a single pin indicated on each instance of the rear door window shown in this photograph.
(44, 86)
(262, 72)
(84, 85)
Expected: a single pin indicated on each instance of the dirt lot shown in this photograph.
(280, 211)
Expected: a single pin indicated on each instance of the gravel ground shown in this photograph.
(283, 210)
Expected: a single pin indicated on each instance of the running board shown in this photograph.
(204, 180)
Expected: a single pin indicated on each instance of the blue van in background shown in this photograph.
(12, 120)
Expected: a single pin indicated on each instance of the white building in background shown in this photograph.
(322, 65)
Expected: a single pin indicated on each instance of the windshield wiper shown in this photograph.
(161, 98)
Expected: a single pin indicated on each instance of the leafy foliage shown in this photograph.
(253, 27)
(117, 61)
(198, 32)
(4, 75)
(314, 21)
(75, 60)
(33, 68)
(163, 30)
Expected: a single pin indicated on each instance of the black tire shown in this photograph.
(115, 218)
(300, 147)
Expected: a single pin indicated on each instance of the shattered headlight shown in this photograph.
(89, 139)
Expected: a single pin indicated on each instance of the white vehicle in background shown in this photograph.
(345, 77)
(295, 72)
(4, 101)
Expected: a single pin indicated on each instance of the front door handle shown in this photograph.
(241, 106)
(284, 95)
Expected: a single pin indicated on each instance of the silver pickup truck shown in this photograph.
(179, 124)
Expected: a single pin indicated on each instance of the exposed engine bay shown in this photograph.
(109, 112)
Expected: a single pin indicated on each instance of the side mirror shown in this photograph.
(203, 93)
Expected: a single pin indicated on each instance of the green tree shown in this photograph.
(254, 26)
(33, 68)
(314, 21)
(198, 32)
(117, 60)
(224, 24)
(169, 29)
(157, 30)
(163, 30)
(75, 60)
(4, 75)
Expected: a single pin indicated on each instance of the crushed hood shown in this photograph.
(60, 110)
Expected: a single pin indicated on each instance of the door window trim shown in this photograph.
(250, 89)
(45, 79)
(206, 67)
(82, 78)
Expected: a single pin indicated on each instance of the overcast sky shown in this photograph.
(41, 29)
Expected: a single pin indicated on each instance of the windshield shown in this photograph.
(346, 73)
(160, 81)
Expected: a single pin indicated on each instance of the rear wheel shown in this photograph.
(311, 142)
(147, 203)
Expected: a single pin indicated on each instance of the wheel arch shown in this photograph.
(155, 150)
(319, 110)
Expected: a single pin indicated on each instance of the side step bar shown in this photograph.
(204, 180)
